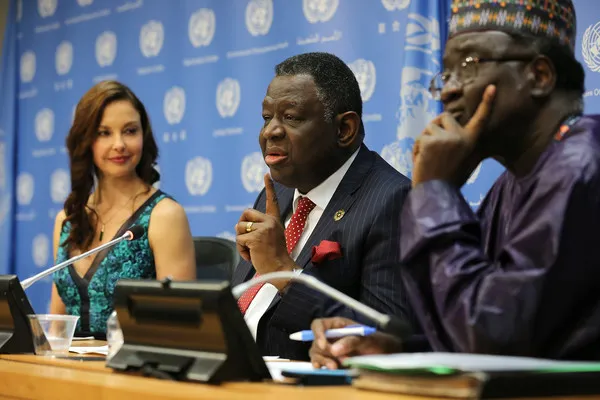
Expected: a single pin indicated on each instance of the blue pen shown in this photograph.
(351, 330)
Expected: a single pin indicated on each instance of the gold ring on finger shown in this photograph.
(249, 226)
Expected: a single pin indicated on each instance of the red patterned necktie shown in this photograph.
(292, 235)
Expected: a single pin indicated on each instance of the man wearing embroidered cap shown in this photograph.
(522, 275)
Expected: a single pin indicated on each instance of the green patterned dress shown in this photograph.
(91, 296)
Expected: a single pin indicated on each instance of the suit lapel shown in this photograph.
(343, 199)
(285, 197)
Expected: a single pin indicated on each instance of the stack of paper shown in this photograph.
(447, 363)
(103, 350)
(474, 376)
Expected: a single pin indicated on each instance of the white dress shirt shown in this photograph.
(320, 195)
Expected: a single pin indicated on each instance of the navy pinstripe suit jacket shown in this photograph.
(371, 194)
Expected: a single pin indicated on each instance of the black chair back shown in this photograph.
(216, 258)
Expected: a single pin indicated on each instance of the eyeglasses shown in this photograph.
(466, 73)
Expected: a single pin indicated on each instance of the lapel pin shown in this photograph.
(339, 215)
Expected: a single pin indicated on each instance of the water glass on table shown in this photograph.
(52, 333)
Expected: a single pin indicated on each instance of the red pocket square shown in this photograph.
(326, 250)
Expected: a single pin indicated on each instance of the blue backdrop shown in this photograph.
(202, 68)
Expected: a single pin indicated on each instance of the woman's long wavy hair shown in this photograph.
(81, 137)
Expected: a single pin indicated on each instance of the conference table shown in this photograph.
(25, 376)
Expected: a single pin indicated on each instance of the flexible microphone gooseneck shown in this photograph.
(135, 232)
(386, 323)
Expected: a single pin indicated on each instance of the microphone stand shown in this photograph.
(30, 281)
(385, 323)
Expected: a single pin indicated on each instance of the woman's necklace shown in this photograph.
(103, 223)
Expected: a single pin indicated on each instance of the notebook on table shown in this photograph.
(474, 376)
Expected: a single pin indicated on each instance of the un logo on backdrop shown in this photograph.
(392, 5)
(399, 156)
(46, 8)
(423, 34)
(319, 10)
(59, 185)
(417, 106)
(174, 105)
(40, 250)
(364, 71)
(25, 188)
(201, 28)
(27, 67)
(64, 58)
(253, 172)
(84, 3)
(198, 176)
(44, 124)
(152, 37)
(106, 48)
(228, 97)
(259, 17)
(590, 47)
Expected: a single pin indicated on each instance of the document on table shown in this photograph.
(453, 362)
(89, 350)
(75, 339)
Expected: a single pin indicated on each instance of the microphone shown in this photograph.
(135, 232)
(385, 323)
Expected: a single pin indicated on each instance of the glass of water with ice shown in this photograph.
(52, 333)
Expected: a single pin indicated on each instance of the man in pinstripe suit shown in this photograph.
(332, 210)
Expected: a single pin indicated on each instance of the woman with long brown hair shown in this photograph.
(112, 153)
